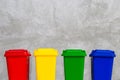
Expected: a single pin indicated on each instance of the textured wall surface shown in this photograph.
(61, 24)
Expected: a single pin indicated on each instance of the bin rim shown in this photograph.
(102, 53)
(74, 52)
(16, 52)
(45, 52)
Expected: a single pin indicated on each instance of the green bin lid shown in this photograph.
(74, 52)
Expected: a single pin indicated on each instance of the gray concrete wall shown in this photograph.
(61, 24)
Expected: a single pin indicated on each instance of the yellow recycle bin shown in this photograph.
(45, 63)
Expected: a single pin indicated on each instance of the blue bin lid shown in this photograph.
(102, 53)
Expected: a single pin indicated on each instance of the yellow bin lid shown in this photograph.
(45, 52)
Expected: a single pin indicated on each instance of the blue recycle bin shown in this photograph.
(102, 64)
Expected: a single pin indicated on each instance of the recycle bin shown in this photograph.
(45, 63)
(74, 64)
(102, 64)
(17, 64)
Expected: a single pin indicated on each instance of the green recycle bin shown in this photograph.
(74, 64)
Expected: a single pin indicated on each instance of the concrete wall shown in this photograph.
(61, 24)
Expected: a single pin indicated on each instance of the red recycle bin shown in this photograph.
(17, 64)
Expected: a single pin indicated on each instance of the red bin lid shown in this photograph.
(16, 52)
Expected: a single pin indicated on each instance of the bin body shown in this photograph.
(45, 63)
(102, 64)
(17, 64)
(74, 64)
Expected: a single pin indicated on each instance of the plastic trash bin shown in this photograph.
(45, 63)
(74, 64)
(102, 64)
(17, 64)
